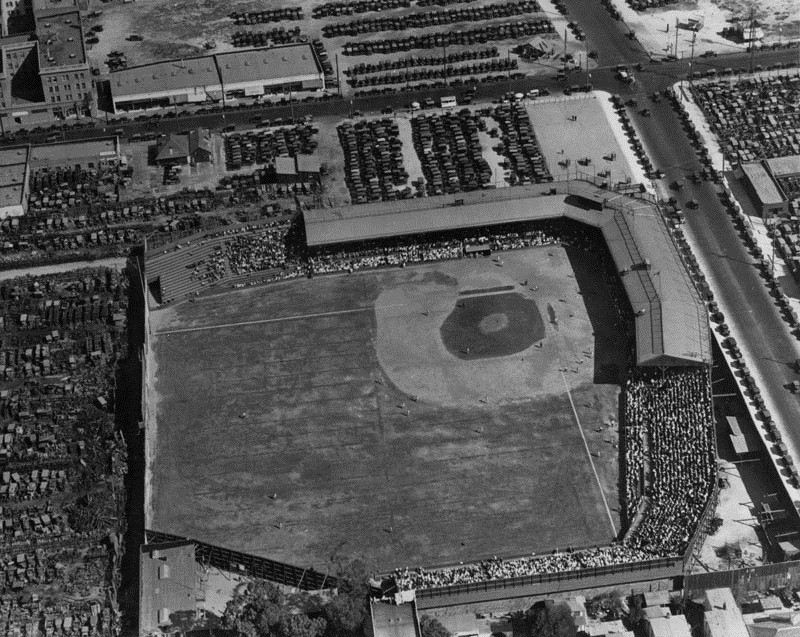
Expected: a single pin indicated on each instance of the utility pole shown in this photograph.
(565, 50)
(508, 76)
(691, 59)
(338, 77)
(752, 35)
(444, 63)
(588, 75)
(676, 38)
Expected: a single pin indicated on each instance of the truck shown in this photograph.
(449, 101)
(625, 77)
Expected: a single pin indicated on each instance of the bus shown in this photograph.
(449, 101)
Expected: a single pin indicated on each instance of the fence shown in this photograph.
(742, 580)
(302, 578)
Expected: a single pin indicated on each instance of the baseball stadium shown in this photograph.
(510, 384)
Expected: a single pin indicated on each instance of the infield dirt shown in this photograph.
(324, 419)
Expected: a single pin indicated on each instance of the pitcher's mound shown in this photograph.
(492, 325)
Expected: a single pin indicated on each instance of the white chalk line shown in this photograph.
(297, 317)
(589, 454)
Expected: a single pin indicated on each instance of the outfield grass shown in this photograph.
(328, 419)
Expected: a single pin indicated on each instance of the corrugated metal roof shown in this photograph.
(764, 185)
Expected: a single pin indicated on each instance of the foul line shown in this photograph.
(276, 320)
(589, 455)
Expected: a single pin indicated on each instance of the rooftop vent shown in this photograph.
(70, 39)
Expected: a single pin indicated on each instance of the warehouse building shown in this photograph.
(166, 83)
(215, 78)
(764, 191)
(258, 72)
(782, 167)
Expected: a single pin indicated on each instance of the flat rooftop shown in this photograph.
(210, 71)
(394, 620)
(764, 185)
(167, 579)
(268, 64)
(784, 166)
(70, 153)
(60, 39)
(172, 75)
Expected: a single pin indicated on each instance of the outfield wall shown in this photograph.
(234, 561)
(742, 580)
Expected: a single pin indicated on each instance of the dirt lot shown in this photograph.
(779, 19)
(325, 418)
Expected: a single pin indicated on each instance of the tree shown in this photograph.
(636, 616)
(260, 609)
(432, 627)
(545, 619)
(347, 610)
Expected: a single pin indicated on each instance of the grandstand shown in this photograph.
(182, 269)
(671, 322)
(666, 395)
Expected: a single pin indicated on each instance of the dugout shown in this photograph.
(670, 319)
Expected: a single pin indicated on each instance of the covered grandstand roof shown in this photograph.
(671, 320)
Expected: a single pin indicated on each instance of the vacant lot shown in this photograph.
(328, 418)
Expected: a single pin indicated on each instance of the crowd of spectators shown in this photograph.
(498, 568)
(670, 457)
(255, 251)
(403, 251)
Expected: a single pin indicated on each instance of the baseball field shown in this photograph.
(429, 415)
